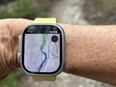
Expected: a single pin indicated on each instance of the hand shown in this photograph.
(9, 32)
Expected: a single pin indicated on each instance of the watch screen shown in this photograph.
(42, 49)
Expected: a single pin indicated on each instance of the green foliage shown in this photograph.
(24, 9)
(20, 9)
(12, 79)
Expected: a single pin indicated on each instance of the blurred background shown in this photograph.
(94, 12)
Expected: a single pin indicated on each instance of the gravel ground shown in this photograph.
(67, 11)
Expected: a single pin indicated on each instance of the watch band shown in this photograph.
(44, 78)
(44, 20)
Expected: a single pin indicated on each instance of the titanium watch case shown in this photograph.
(20, 50)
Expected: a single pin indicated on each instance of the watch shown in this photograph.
(41, 49)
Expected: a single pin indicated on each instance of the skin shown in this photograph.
(90, 50)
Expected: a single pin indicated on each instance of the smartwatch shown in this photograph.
(41, 49)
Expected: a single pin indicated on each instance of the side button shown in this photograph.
(19, 56)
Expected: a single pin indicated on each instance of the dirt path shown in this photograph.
(67, 11)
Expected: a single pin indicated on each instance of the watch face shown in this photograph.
(42, 49)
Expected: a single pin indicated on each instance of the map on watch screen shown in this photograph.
(42, 52)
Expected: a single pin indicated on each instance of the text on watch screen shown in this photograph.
(42, 52)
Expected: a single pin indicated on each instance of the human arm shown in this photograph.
(90, 50)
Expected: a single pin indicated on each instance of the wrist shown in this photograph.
(15, 36)
(68, 40)
(9, 32)
(6, 51)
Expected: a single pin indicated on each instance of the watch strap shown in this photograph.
(44, 78)
(44, 20)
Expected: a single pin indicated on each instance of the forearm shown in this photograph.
(91, 52)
